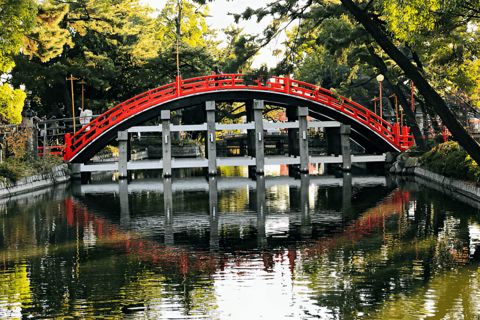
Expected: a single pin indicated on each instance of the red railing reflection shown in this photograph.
(184, 261)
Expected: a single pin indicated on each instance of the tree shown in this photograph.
(408, 58)
(16, 18)
(338, 54)
(11, 103)
(184, 21)
(107, 45)
(432, 98)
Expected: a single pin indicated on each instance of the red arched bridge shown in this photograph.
(367, 128)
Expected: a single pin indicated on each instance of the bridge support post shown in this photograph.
(76, 171)
(166, 144)
(346, 151)
(211, 146)
(303, 139)
(259, 137)
(123, 151)
(250, 143)
(292, 140)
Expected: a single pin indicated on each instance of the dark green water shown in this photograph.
(236, 248)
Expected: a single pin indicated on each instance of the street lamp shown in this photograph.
(380, 78)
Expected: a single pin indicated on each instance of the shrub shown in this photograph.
(107, 150)
(11, 170)
(449, 160)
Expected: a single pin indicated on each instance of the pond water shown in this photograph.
(315, 247)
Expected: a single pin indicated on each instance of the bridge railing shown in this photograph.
(399, 138)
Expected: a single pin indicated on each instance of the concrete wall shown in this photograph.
(60, 174)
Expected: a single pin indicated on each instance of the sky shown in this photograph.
(219, 19)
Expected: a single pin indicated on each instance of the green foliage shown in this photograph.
(449, 160)
(11, 103)
(16, 18)
(445, 36)
(108, 150)
(183, 20)
(105, 45)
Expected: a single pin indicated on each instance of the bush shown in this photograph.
(11, 171)
(449, 160)
(14, 169)
(107, 150)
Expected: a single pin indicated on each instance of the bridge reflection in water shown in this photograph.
(301, 197)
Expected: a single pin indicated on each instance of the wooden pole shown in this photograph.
(73, 102)
(83, 91)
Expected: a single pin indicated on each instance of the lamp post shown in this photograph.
(82, 83)
(380, 78)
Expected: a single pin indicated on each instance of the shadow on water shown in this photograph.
(231, 247)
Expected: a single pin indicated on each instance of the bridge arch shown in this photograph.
(368, 129)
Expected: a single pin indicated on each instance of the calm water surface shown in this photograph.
(318, 247)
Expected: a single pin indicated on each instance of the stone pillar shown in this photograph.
(305, 221)
(345, 143)
(168, 207)
(124, 207)
(259, 137)
(211, 138)
(213, 206)
(123, 154)
(261, 207)
(303, 139)
(166, 144)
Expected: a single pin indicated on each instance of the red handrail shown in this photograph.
(398, 138)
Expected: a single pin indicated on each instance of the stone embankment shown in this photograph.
(412, 166)
(59, 174)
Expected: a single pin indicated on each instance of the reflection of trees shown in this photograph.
(390, 251)
(233, 200)
(14, 291)
(451, 295)
(121, 273)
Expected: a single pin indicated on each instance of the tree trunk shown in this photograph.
(432, 98)
(417, 134)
